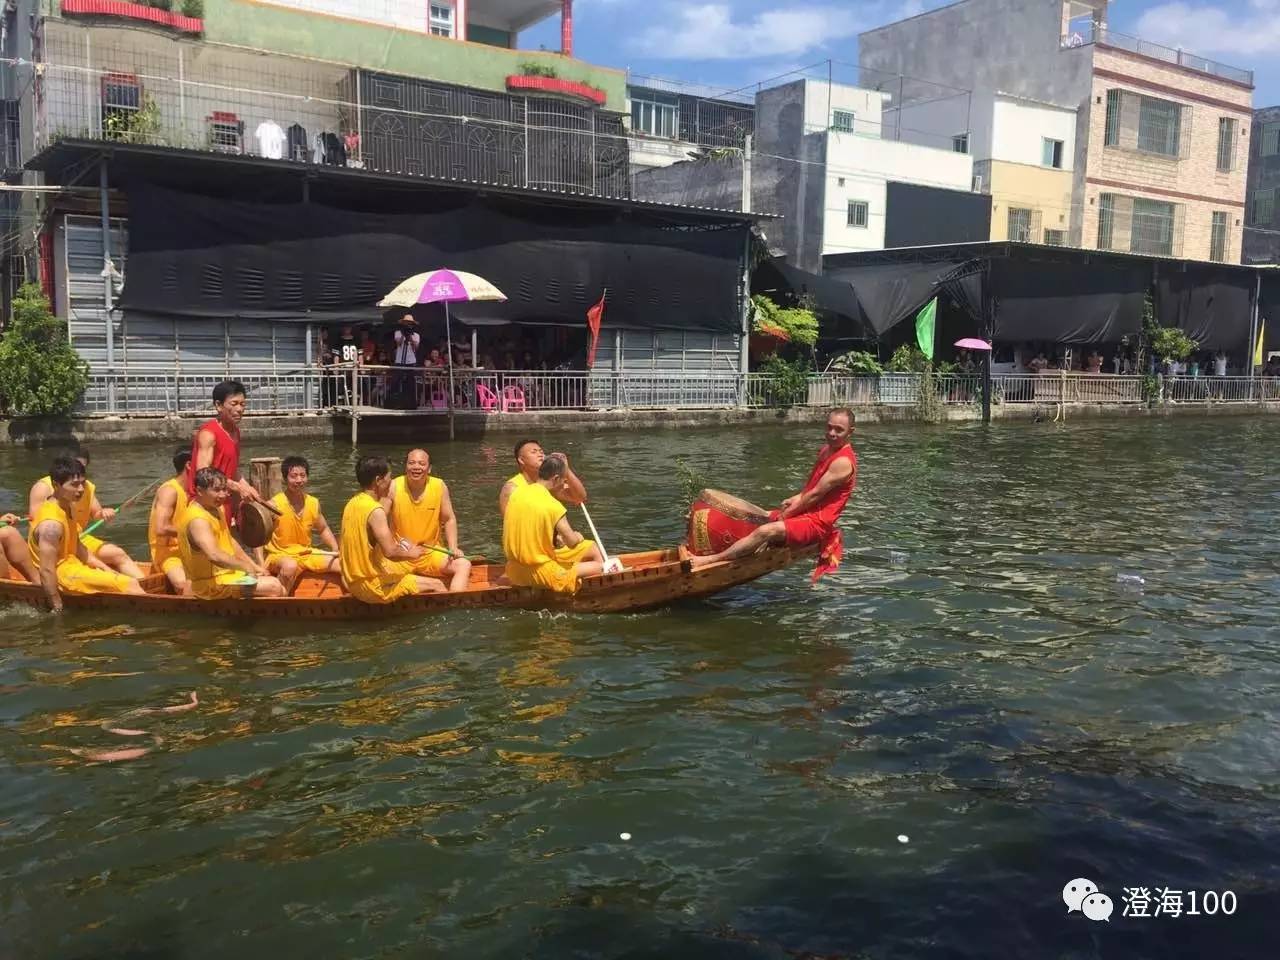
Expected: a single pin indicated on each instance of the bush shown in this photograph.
(800, 325)
(158, 4)
(908, 358)
(790, 380)
(193, 8)
(40, 374)
(534, 69)
(1170, 343)
(858, 363)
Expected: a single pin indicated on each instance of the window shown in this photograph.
(226, 132)
(121, 99)
(1019, 225)
(1226, 144)
(654, 118)
(1051, 153)
(1159, 126)
(1270, 135)
(1106, 220)
(441, 20)
(1218, 237)
(1152, 227)
(1112, 136)
(857, 213)
(11, 134)
(842, 121)
(1055, 238)
(960, 143)
(1264, 207)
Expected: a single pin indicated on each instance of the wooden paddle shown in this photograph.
(141, 493)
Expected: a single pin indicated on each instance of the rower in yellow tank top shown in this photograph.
(420, 511)
(162, 525)
(529, 457)
(300, 518)
(530, 526)
(208, 580)
(61, 558)
(376, 568)
(87, 510)
(218, 567)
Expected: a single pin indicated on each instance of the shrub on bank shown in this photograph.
(40, 373)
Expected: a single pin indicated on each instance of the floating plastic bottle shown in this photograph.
(1130, 581)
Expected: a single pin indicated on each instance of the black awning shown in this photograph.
(833, 299)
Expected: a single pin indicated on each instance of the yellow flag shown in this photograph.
(1257, 350)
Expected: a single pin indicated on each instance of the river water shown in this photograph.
(973, 680)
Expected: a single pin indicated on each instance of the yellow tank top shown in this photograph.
(202, 571)
(417, 521)
(529, 525)
(84, 506)
(51, 510)
(293, 530)
(362, 559)
(162, 548)
(518, 481)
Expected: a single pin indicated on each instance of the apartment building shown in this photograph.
(671, 120)
(1161, 135)
(1262, 226)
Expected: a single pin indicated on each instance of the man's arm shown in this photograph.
(838, 473)
(568, 536)
(574, 492)
(204, 450)
(49, 539)
(98, 511)
(503, 496)
(258, 569)
(391, 548)
(166, 504)
(449, 521)
(40, 492)
(201, 535)
(326, 533)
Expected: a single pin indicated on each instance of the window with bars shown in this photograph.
(1218, 236)
(441, 20)
(857, 216)
(1226, 144)
(1159, 126)
(1112, 136)
(1269, 136)
(655, 118)
(1152, 230)
(1020, 225)
(11, 131)
(1055, 238)
(121, 100)
(1264, 207)
(1106, 221)
(842, 121)
(960, 143)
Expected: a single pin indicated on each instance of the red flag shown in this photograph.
(594, 316)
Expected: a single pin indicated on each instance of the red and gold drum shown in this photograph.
(718, 520)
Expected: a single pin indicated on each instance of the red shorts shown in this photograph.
(804, 529)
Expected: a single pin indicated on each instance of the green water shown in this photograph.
(973, 678)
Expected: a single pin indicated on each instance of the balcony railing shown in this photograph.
(1082, 34)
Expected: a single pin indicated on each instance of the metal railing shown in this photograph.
(1081, 34)
(365, 390)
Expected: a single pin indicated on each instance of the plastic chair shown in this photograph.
(513, 400)
(439, 400)
(487, 399)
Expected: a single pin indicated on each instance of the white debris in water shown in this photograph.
(624, 836)
(903, 838)
(898, 558)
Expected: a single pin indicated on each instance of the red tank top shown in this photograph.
(827, 510)
(226, 453)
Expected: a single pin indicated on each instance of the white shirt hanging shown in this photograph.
(271, 140)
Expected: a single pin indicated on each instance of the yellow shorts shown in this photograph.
(559, 575)
(311, 561)
(386, 589)
(77, 577)
(430, 564)
(168, 563)
(92, 544)
(226, 585)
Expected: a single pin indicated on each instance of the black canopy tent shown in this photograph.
(835, 300)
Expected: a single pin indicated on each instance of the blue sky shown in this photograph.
(733, 43)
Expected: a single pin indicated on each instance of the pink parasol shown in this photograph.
(973, 343)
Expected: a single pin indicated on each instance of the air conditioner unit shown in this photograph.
(977, 183)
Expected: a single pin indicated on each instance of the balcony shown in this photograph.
(1083, 32)
(143, 89)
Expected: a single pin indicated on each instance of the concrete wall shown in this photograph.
(822, 100)
(935, 123)
(1028, 187)
(1019, 128)
(709, 182)
(788, 173)
(392, 49)
(1262, 237)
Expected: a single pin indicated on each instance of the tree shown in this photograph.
(40, 374)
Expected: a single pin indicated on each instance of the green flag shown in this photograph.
(924, 327)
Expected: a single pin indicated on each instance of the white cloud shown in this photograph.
(1204, 28)
(709, 31)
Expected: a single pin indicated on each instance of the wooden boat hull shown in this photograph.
(653, 579)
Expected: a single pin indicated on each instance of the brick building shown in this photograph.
(1162, 135)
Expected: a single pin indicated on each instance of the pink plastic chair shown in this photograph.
(439, 400)
(513, 400)
(487, 399)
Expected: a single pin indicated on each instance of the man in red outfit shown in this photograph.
(217, 444)
(810, 516)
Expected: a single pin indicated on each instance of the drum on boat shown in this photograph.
(718, 519)
(256, 524)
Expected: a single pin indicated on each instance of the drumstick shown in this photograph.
(604, 555)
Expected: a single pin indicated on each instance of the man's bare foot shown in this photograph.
(696, 562)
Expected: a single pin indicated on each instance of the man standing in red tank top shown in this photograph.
(810, 516)
(217, 444)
